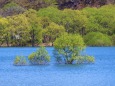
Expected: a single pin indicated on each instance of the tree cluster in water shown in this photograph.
(67, 50)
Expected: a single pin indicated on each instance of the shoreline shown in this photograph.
(46, 45)
(43, 44)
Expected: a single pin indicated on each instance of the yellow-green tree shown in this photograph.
(39, 57)
(97, 39)
(18, 29)
(74, 21)
(35, 29)
(101, 19)
(53, 31)
(68, 47)
(3, 35)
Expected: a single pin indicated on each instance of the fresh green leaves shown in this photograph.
(34, 27)
(68, 48)
(69, 40)
(97, 39)
(19, 61)
(53, 31)
(39, 57)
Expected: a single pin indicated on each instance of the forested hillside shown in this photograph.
(33, 22)
(12, 7)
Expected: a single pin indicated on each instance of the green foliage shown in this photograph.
(97, 39)
(35, 28)
(53, 31)
(69, 40)
(9, 5)
(44, 21)
(72, 20)
(84, 59)
(39, 57)
(12, 9)
(68, 48)
(52, 13)
(18, 30)
(20, 60)
(89, 58)
(35, 4)
(113, 39)
(3, 25)
(101, 19)
(92, 24)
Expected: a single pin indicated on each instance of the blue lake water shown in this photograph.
(101, 73)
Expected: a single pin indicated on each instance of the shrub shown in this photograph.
(84, 59)
(12, 8)
(89, 59)
(39, 57)
(20, 60)
(68, 48)
(97, 39)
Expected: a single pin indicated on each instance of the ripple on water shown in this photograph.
(101, 73)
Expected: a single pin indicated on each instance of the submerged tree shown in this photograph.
(20, 60)
(39, 57)
(68, 48)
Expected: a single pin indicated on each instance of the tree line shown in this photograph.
(32, 27)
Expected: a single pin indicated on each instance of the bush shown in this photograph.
(39, 57)
(68, 48)
(84, 59)
(20, 60)
(89, 59)
(12, 8)
(97, 39)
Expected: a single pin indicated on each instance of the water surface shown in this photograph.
(101, 73)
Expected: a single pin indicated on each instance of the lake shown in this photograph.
(101, 73)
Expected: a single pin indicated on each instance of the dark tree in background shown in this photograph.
(78, 4)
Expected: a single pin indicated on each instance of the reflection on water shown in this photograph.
(101, 73)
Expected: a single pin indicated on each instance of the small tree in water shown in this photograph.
(39, 57)
(20, 60)
(68, 48)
